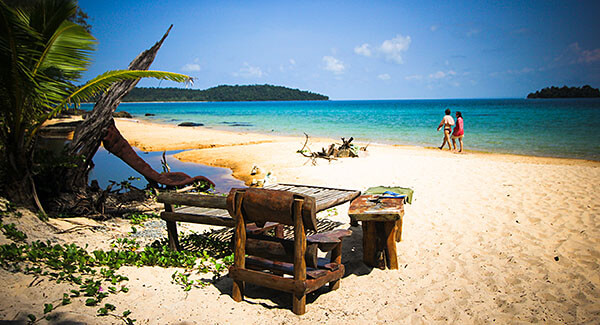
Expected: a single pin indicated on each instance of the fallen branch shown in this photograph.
(314, 155)
(346, 149)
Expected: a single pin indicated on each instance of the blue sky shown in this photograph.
(358, 49)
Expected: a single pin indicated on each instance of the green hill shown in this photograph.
(223, 93)
(566, 92)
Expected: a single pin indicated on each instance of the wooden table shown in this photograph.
(211, 210)
(382, 228)
(326, 197)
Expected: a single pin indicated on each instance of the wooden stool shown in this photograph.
(382, 228)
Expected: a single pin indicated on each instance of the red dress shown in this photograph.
(458, 129)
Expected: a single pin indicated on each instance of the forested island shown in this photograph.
(223, 93)
(566, 92)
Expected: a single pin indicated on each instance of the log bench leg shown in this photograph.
(379, 244)
(399, 230)
(369, 243)
(172, 230)
(173, 239)
(390, 232)
(237, 292)
(298, 303)
(381, 239)
(336, 257)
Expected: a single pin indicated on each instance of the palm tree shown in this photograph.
(42, 55)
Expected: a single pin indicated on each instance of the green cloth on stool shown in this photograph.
(400, 190)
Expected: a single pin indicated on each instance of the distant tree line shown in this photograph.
(566, 92)
(223, 93)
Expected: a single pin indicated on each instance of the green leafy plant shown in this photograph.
(182, 279)
(42, 57)
(139, 218)
(94, 275)
(11, 232)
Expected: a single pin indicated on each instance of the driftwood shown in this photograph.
(346, 149)
(117, 145)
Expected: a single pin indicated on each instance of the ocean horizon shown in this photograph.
(563, 128)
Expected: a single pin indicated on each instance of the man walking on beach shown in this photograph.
(447, 122)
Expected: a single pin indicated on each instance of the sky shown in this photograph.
(351, 50)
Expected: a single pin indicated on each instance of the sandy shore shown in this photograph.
(488, 238)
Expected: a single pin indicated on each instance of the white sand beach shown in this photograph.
(488, 238)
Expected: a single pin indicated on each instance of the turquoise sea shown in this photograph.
(567, 128)
(541, 127)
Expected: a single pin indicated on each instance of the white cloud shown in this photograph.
(473, 32)
(384, 76)
(414, 77)
(442, 74)
(392, 49)
(513, 72)
(522, 71)
(433, 28)
(334, 65)
(364, 50)
(248, 71)
(191, 67)
(585, 56)
(433, 77)
(289, 66)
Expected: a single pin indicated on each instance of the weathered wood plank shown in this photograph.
(259, 263)
(326, 197)
(266, 280)
(328, 240)
(342, 199)
(198, 200)
(204, 211)
(314, 284)
(198, 218)
(366, 208)
(279, 249)
(315, 186)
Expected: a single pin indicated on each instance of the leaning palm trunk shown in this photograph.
(89, 134)
(42, 55)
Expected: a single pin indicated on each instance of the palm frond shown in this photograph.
(16, 36)
(105, 81)
(68, 50)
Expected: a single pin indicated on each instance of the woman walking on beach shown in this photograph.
(447, 122)
(459, 132)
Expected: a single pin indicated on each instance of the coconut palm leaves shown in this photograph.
(42, 56)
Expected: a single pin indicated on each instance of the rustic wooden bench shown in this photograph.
(212, 209)
(260, 206)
